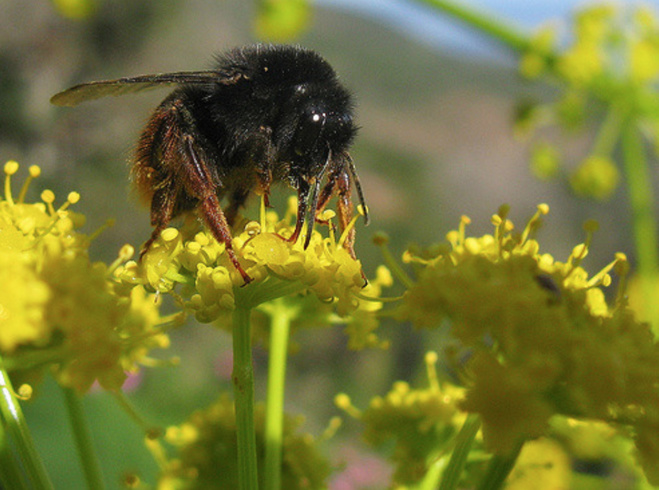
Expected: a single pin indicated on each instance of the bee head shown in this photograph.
(322, 126)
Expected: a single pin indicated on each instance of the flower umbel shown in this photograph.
(58, 308)
(608, 73)
(192, 259)
(421, 422)
(539, 336)
(207, 455)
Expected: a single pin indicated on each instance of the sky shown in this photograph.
(425, 25)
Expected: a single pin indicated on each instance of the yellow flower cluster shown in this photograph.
(207, 454)
(541, 338)
(596, 176)
(192, 259)
(612, 66)
(422, 422)
(609, 44)
(56, 307)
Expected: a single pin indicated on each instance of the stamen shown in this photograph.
(534, 222)
(253, 228)
(602, 277)
(35, 171)
(109, 223)
(48, 197)
(332, 428)
(72, 198)
(11, 167)
(327, 216)
(344, 403)
(351, 225)
(262, 213)
(622, 270)
(125, 254)
(431, 370)
(381, 240)
(464, 221)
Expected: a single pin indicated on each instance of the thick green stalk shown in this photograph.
(499, 468)
(483, 22)
(463, 443)
(83, 440)
(243, 390)
(644, 221)
(274, 421)
(20, 465)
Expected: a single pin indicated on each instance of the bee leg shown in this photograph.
(339, 182)
(302, 198)
(203, 188)
(324, 198)
(217, 223)
(172, 166)
(345, 209)
(162, 211)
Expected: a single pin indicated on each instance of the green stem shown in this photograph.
(20, 464)
(275, 288)
(243, 389)
(499, 468)
(274, 418)
(644, 222)
(395, 267)
(483, 22)
(607, 136)
(463, 443)
(83, 440)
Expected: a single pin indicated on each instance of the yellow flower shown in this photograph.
(596, 177)
(582, 63)
(21, 308)
(512, 407)
(545, 161)
(363, 321)
(644, 60)
(211, 286)
(542, 338)
(533, 62)
(543, 463)
(207, 456)
(421, 422)
(57, 307)
(608, 74)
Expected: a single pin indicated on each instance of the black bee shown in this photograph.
(266, 114)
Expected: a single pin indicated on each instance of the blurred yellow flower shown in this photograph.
(207, 454)
(596, 177)
(541, 338)
(421, 422)
(57, 307)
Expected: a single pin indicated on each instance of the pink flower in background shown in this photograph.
(361, 471)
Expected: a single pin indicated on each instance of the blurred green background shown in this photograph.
(435, 143)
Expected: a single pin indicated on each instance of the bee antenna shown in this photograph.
(358, 186)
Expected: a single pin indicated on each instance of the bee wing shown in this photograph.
(120, 86)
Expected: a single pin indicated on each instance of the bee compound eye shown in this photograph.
(309, 130)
